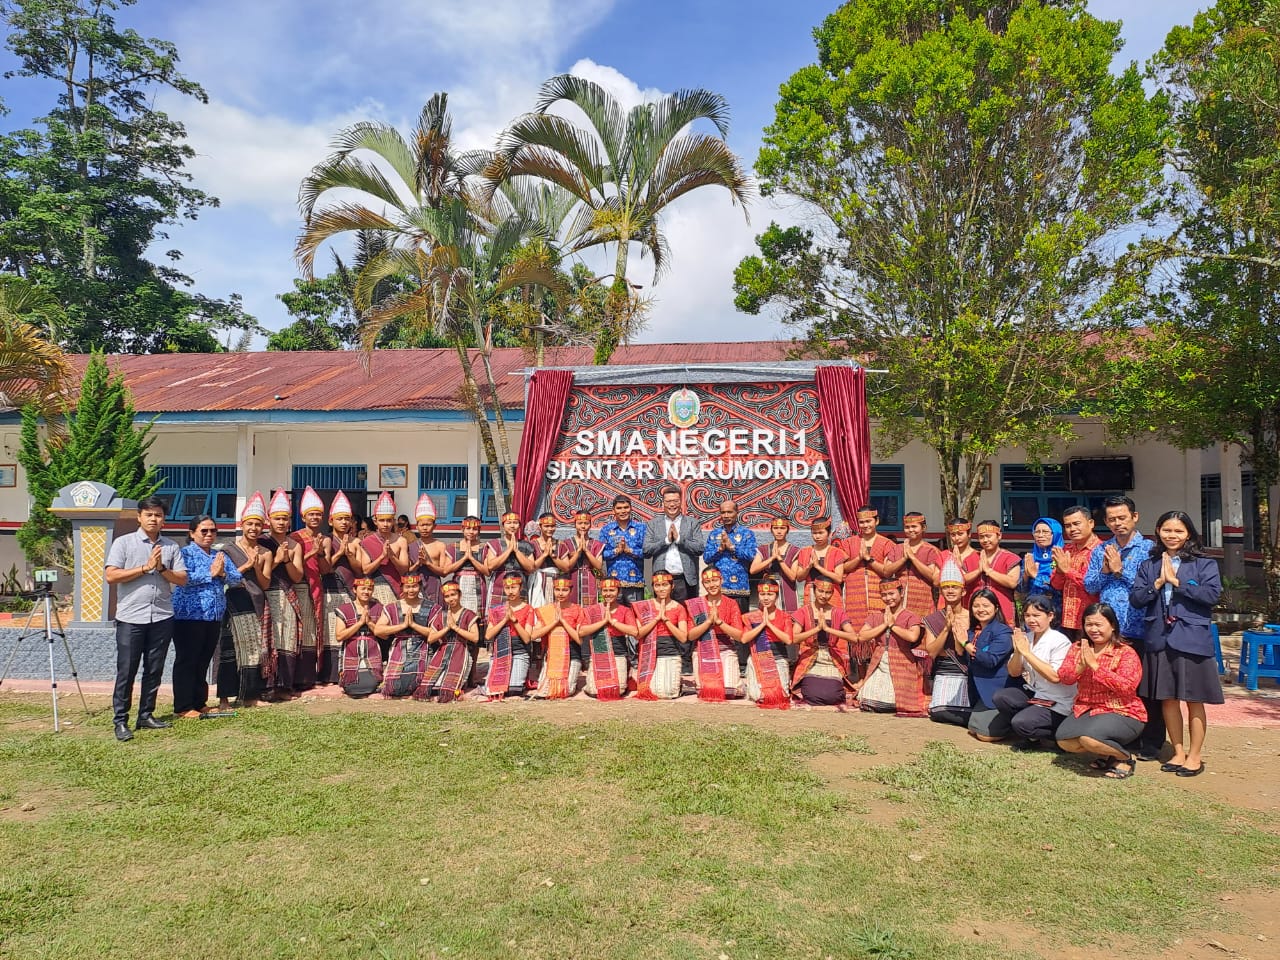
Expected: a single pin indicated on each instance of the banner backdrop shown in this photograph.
(760, 443)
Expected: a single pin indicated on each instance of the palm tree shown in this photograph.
(33, 371)
(624, 170)
(449, 251)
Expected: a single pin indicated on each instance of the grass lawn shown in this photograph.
(455, 832)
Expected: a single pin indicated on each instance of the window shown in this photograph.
(349, 478)
(887, 482)
(1026, 495)
(192, 490)
(447, 485)
(488, 502)
(1211, 509)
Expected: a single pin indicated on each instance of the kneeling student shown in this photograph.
(767, 633)
(895, 673)
(606, 628)
(663, 629)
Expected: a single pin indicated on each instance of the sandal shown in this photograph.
(1117, 773)
(1103, 763)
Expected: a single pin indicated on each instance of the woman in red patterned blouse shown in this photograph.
(1107, 713)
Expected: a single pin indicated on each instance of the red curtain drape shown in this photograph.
(842, 405)
(548, 393)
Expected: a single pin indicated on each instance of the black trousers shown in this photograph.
(193, 644)
(139, 643)
(1030, 720)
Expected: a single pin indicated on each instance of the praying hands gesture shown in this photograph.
(1021, 645)
(1061, 558)
(219, 566)
(1030, 566)
(1167, 573)
(1112, 562)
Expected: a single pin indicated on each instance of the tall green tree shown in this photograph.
(100, 177)
(624, 170)
(966, 169)
(101, 442)
(450, 255)
(1210, 372)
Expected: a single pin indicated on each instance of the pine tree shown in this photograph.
(101, 443)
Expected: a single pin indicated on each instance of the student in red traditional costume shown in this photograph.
(663, 629)
(824, 561)
(338, 577)
(715, 630)
(899, 665)
(508, 630)
(245, 655)
(606, 628)
(466, 564)
(427, 554)
(768, 632)
(292, 618)
(557, 630)
(960, 551)
(946, 631)
(353, 623)
(871, 556)
(456, 630)
(386, 554)
(403, 634)
(917, 565)
(508, 554)
(314, 544)
(542, 572)
(999, 570)
(580, 557)
(823, 635)
(1070, 564)
(779, 558)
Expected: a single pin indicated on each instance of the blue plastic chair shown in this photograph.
(1260, 645)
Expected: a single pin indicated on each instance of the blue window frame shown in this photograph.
(488, 502)
(888, 482)
(446, 483)
(1026, 495)
(193, 490)
(348, 477)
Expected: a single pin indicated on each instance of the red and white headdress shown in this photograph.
(280, 506)
(311, 502)
(386, 506)
(341, 506)
(426, 509)
(255, 509)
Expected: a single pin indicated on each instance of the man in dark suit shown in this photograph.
(675, 543)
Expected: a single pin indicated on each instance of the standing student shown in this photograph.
(918, 565)
(292, 618)
(999, 570)
(580, 557)
(960, 550)
(198, 608)
(871, 557)
(246, 629)
(1177, 586)
(144, 567)
(779, 558)
(821, 563)
(340, 566)
(1107, 714)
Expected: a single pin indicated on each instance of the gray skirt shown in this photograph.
(1170, 674)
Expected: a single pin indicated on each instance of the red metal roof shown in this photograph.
(397, 379)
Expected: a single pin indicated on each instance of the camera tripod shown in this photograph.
(45, 596)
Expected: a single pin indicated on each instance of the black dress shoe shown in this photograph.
(123, 732)
(151, 723)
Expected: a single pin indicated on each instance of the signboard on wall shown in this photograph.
(760, 443)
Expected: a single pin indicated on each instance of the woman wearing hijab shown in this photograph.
(1037, 563)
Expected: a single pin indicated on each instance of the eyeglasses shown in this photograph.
(207, 530)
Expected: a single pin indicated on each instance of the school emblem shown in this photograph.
(84, 494)
(683, 407)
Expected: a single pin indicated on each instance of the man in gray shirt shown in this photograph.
(144, 567)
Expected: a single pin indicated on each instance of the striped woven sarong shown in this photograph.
(766, 676)
(336, 593)
(285, 637)
(603, 676)
(646, 613)
(450, 665)
(710, 670)
(500, 656)
(556, 681)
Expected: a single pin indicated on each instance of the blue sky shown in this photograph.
(284, 75)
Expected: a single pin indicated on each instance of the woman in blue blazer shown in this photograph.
(1177, 586)
(989, 646)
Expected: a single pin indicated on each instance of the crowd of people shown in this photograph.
(1082, 645)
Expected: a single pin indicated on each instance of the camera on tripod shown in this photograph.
(44, 578)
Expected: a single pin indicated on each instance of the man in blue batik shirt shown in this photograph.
(731, 550)
(1113, 565)
(623, 553)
